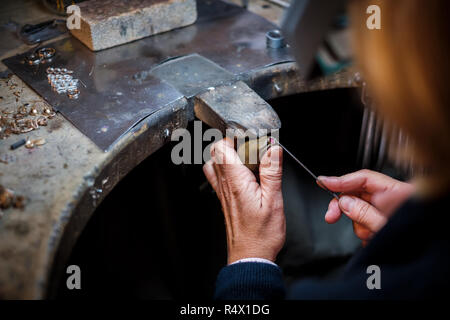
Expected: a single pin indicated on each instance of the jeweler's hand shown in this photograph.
(369, 199)
(254, 216)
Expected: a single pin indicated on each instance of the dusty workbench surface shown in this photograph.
(65, 179)
(48, 176)
(53, 178)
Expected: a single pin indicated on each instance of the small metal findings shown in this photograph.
(71, 88)
(73, 93)
(47, 110)
(51, 115)
(62, 81)
(41, 56)
(32, 124)
(21, 110)
(18, 116)
(274, 39)
(9, 199)
(166, 132)
(39, 142)
(46, 53)
(42, 121)
(6, 197)
(29, 144)
(33, 111)
(24, 130)
(277, 88)
(33, 59)
(60, 90)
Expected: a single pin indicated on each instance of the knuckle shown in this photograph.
(273, 176)
(363, 212)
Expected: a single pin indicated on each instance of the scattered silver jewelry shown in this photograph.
(62, 81)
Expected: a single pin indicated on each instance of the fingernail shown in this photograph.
(327, 179)
(274, 156)
(346, 203)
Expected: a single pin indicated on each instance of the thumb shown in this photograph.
(270, 171)
(362, 213)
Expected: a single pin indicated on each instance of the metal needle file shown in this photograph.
(306, 169)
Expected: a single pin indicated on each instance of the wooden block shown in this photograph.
(108, 23)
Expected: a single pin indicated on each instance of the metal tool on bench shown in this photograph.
(236, 106)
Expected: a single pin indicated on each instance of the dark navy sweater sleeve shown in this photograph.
(411, 252)
(250, 281)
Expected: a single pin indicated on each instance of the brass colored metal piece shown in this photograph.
(48, 111)
(19, 202)
(6, 197)
(18, 116)
(33, 59)
(39, 142)
(29, 144)
(46, 53)
(73, 93)
(251, 148)
(23, 110)
(25, 130)
(42, 121)
(24, 119)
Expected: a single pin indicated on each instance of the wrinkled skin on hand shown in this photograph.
(254, 214)
(368, 198)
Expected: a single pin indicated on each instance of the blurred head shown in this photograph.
(406, 66)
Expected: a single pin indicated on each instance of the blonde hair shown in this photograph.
(406, 66)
